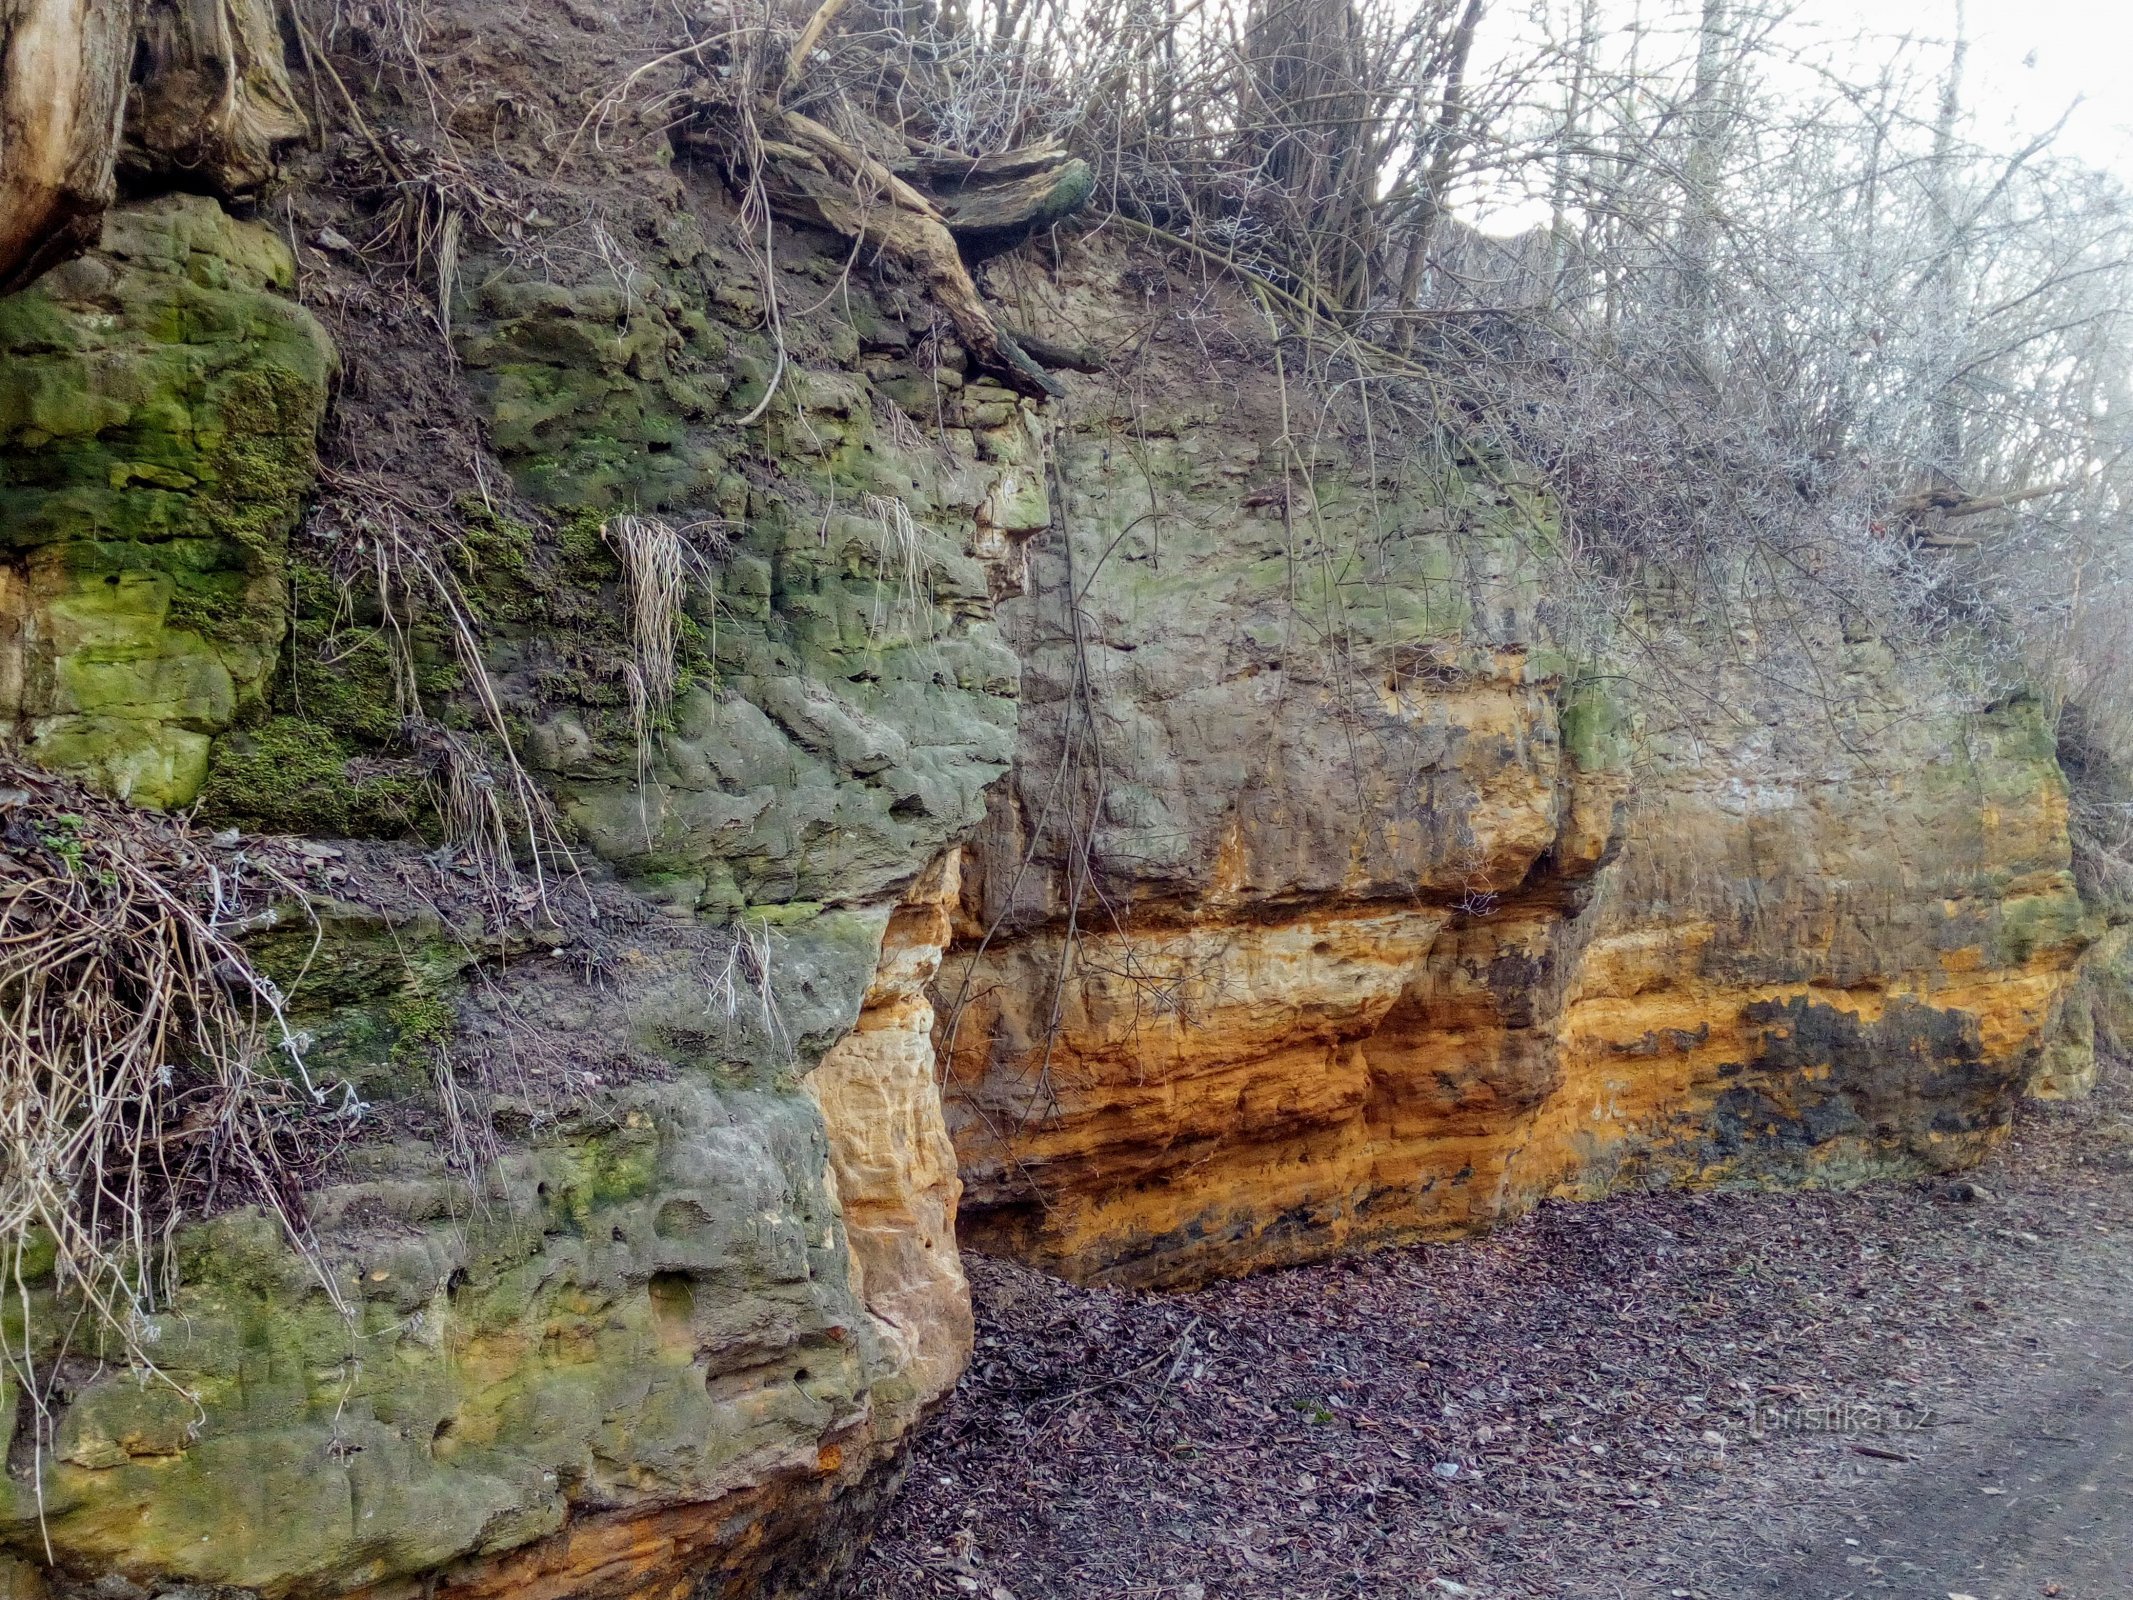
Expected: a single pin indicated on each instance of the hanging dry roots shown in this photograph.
(492, 809)
(660, 563)
(145, 1068)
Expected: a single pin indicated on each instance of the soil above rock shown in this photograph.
(1906, 1389)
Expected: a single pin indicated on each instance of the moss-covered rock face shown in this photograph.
(159, 404)
(591, 1299)
(845, 698)
(296, 775)
(643, 1307)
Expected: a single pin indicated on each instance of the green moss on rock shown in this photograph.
(293, 775)
(159, 406)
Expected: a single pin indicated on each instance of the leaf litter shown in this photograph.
(1664, 1394)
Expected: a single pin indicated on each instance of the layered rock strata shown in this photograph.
(1307, 880)
(1332, 903)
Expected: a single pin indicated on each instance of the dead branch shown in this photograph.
(813, 175)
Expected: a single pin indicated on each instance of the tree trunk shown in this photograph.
(812, 174)
(63, 70)
(213, 106)
(209, 106)
(1945, 415)
(1699, 234)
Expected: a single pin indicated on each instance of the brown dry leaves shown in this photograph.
(1552, 1412)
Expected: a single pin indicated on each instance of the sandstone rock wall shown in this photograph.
(1334, 900)
(159, 405)
(1181, 823)
(637, 1258)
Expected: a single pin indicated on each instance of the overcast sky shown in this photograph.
(2029, 62)
(2034, 56)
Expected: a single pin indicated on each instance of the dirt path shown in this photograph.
(1604, 1402)
(2032, 1494)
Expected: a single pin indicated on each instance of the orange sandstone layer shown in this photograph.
(1342, 894)
(1227, 1091)
(791, 1520)
(1332, 901)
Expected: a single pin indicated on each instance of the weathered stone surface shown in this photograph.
(1332, 898)
(894, 1166)
(849, 699)
(636, 1354)
(159, 402)
(1393, 920)
(649, 1253)
(2094, 1015)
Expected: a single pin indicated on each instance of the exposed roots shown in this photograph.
(737, 982)
(660, 563)
(492, 809)
(146, 1070)
(903, 572)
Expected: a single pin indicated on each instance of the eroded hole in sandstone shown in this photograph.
(673, 1298)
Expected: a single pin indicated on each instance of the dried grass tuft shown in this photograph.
(660, 564)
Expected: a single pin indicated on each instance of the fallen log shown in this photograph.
(993, 203)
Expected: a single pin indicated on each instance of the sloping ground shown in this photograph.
(1622, 1399)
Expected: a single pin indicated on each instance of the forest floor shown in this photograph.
(1910, 1390)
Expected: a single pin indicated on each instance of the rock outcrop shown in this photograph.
(1332, 903)
(160, 402)
(637, 1258)
(1175, 836)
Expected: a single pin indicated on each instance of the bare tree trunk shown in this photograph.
(208, 105)
(1309, 113)
(1945, 416)
(63, 69)
(1448, 137)
(1571, 138)
(1699, 232)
